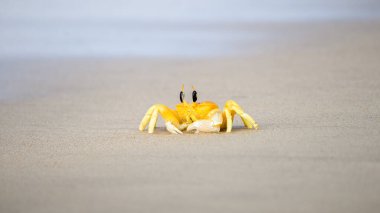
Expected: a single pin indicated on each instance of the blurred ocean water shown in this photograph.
(148, 28)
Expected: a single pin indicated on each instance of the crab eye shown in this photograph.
(195, 98)
(181, 96)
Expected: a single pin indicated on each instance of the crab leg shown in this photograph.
(231, 108)
(153, 121)
(229, 118)
(247, 119)
(151, 116)
(144, 122)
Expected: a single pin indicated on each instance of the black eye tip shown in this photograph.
(181, 96)
(195, 98)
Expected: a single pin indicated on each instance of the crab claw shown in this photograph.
(172, 129)
(203, 126)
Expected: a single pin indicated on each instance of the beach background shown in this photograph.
(77, 77)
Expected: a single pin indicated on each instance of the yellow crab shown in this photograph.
(201, 117)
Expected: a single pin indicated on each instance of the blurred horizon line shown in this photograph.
(148, 28)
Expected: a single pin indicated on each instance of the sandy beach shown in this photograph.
(69, 140)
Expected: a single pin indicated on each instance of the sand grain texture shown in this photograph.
(69, 140)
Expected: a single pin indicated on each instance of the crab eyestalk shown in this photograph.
(194, 94)
(182, 94)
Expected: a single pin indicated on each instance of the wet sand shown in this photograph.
(69, 140)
